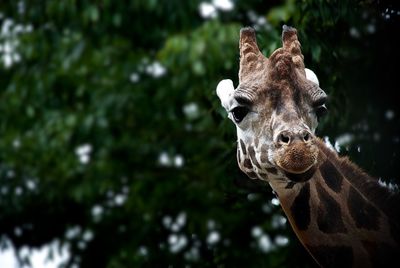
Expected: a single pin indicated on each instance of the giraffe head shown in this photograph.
(275, 108)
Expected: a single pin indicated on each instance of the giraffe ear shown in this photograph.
(310, 75)
(225, 91)
(318, 96)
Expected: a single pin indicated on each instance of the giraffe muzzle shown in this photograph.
(297, 152)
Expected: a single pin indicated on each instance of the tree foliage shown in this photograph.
(110, 125)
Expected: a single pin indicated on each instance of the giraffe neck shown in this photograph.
(341, 215)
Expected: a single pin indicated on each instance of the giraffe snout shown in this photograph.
(295, 151)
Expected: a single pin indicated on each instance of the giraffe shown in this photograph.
(341, 215)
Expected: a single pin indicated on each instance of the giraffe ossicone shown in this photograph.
(341, 215)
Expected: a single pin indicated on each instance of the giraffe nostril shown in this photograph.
(283, 138)
(288, 137)
(306, 137)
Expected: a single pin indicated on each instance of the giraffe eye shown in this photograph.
(320, 111)
(239, 113)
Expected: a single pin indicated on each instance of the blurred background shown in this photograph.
(115, 152)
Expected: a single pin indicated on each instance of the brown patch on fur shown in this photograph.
(247, 163)
(300, 209)
(263, 175)
(331, 176)
(329, 217)
(272, 170)
(364, 214)
(252, 154)
(251, 175)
